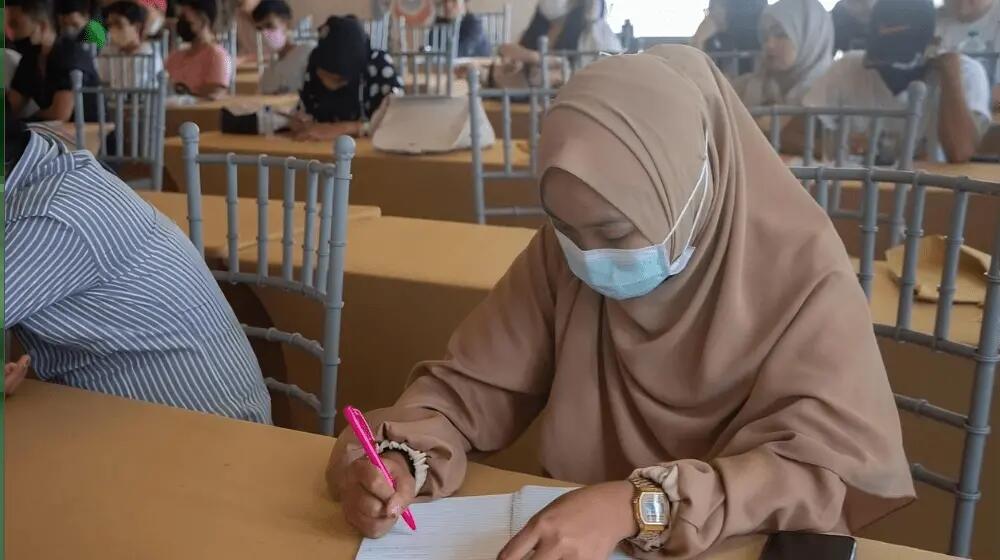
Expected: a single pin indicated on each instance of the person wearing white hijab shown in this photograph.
(797, 48)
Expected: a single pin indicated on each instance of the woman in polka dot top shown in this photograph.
(346, 82)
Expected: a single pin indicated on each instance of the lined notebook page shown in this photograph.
(473, 528)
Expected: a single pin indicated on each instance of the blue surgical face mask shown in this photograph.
(630, 273)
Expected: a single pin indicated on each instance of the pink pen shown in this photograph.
(364, 434)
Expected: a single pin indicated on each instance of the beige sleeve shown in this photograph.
(492, 383)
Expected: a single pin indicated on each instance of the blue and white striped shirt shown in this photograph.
(107, 294)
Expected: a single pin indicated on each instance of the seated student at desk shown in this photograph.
(203, 69)
(126, 22)
(287, 73)
(571, 25)
(107, 294)
(472, 39)
(43, 75)
(689, 322)
(730, 25)
(346, 83)
(956, 112)
(797, 49)
(72, 16)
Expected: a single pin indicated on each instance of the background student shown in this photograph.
(731, 25)
(43, 75)
(797, 48)
(574, 25)
(472, 40)
(956, 111)
(346, 83)
(286, 73)
(72, 16)
(850, 24)
(126, 22)
(690, 323)
(204, 68)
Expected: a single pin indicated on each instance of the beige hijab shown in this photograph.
(755, 372)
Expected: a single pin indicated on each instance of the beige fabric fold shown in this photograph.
(755, 372)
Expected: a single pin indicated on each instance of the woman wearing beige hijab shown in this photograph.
(689, 322)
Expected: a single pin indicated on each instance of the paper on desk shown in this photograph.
(970, 283)
(473, 528)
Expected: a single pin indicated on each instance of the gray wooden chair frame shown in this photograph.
(117, 63)
(322, 274)
(428, 51)
(228, 41)
(538, 99)
(496, 25)
(984, 355)
(909, 116)
(729, 61)
(378, 29)
(144, 128)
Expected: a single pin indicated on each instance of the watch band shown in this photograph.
(648, 539)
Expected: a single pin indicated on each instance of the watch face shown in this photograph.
(653, 508)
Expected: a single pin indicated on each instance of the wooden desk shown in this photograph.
(247, 83)
(214, 230)
(206, 113)
(437, 187)
(91, 476)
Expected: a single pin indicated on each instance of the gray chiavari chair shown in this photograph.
(426, 59)
(878, 142)
(538, 99)
(139, 117)
(323, 242)
(496, 25)
(228, 41)
(378, 32)
(729, 61)
(982, 356)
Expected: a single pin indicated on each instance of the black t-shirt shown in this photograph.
(66, 55)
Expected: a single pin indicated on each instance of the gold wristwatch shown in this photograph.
(652, 512)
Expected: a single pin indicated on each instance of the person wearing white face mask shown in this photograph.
(126, 22)
(570, 25)
(286, 74)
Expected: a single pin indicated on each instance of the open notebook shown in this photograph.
(473, 528)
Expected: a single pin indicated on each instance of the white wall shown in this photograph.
(322, 9)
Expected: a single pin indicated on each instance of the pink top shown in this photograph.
(200, 66)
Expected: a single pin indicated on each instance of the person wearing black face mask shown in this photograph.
(43, 75)
(204, 68)
(72, 16)
(955, 113)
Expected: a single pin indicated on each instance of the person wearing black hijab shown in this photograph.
(346, 82)
(731, 25)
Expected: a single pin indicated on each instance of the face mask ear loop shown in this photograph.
(694, 191)
(701, 203)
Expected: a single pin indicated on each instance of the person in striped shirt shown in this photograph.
(107, 294)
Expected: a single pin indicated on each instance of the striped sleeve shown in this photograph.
(45, 261)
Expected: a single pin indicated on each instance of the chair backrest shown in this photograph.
(228, 41)
(496, 25)
(878, 140)
(161, 44)
(321, 277)
(983, 356)
(139, 117)
(730, 61)
(426, 57)
(127, 70)
(538, 100)
(990, 61)
(378, 32)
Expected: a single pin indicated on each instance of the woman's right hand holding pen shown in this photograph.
(369, 503)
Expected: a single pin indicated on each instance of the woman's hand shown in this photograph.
(512, 52)
(14, 373)
(369, 503)
(585, 524)
(325, 131)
